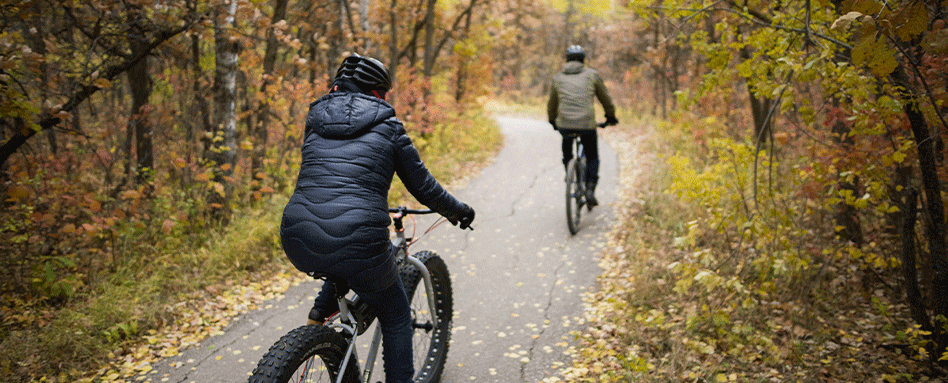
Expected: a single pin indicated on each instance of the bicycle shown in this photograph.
(317, 353)
(576, 184)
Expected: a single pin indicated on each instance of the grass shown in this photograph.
(142, 297)
(150, 306)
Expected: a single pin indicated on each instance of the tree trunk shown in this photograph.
(936, 224)
(20, 133)
(568, 26)
(223, 148)
(461, 89)
(35, 38)
(259, 130)
(364, 25)
(140, 83)
(336, 44)
(913, 294)
(393, 40)
(429, 39)
(846, 215)
(760, 109)
(202, 122)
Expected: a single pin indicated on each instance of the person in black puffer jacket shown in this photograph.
(336, 222)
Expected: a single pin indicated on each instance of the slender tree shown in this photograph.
(222, 153)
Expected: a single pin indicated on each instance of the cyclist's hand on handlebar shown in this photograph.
(465, 219)
(611, 120)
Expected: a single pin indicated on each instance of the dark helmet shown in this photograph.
(575, 52)
(366, 72)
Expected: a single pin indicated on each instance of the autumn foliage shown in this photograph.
(793, 226)
(135, 134)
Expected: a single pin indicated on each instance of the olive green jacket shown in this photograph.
(571, 97)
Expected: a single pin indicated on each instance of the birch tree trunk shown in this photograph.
(222, 152)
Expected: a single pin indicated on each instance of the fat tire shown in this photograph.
(574, 197)
(430, 347)
(281, 363)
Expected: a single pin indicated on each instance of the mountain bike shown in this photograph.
(327, 353)
(576, 184)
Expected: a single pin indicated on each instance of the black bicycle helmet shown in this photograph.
(575, 53)
(366, 72)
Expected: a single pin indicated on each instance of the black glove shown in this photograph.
(611, 120)
(464, 220)
(553, 122)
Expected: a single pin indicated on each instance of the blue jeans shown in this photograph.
(391, 307)
(590, 148)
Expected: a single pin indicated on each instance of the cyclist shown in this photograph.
(336, 222)
(571, 111)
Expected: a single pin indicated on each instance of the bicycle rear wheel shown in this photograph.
(429, 342)
(574, 194)
(307, 354)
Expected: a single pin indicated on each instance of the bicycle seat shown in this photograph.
(342, 288)
(572, 132)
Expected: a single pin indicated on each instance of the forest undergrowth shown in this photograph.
(153, 306)
(684, 299)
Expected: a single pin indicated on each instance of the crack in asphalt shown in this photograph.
(528, 190)
(546, 312)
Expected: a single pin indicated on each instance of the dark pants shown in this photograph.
(590, 147)
(392, 309)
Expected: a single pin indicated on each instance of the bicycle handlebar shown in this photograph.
(404, 210)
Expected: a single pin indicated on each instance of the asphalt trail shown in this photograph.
(517, 278)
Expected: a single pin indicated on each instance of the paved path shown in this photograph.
(517, 277)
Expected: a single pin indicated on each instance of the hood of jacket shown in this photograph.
(573, 67)
(345, 114)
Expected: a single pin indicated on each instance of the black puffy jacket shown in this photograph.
(337, 220)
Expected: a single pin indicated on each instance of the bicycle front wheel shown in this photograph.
(574, 195)
(429, 342)
(307, 354)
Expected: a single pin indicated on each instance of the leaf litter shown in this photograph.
(638, 329)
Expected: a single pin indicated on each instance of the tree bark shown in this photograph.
(913, 294)
(259, 130)
(364, 24)
(140, 83)
(393, 40)
(460, 89)
(936, 224)
(429, 38)
(222, 154)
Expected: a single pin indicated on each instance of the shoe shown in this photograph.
(591, 196)
(315, 317)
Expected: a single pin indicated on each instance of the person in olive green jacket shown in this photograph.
(571, 111)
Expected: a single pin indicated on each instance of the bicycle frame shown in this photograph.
(577, 145)
(339, 319)
(579, 156)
